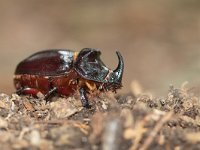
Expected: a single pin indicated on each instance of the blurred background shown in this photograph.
(159, 40)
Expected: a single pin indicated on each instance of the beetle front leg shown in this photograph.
(84, 99)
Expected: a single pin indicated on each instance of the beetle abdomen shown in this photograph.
(47, 63)
(65, 84)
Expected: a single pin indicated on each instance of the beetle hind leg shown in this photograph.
(34, 92)
(27, 91)
(19, 91)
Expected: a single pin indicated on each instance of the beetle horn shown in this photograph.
(117, 74)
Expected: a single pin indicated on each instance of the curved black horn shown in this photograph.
(118, 72)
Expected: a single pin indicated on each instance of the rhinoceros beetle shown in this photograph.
(65, 71)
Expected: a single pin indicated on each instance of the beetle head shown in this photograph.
(89, 65)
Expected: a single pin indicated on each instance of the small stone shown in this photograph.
(35, 138)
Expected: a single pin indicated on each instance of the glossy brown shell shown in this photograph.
(47, 63)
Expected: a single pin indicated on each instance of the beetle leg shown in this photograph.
(19, 91)
(50, 93)
(27, 90)
(91, 85)
(84, 99)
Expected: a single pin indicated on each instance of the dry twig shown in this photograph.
(156, 129)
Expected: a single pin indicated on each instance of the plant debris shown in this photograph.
(123, 122)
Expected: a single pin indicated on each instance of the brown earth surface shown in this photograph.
(121, 122)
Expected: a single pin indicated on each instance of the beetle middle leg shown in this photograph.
(50, 93)
(84, 99)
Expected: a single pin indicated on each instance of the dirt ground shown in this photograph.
(119, 122)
